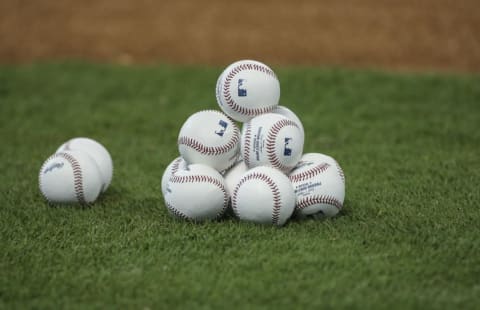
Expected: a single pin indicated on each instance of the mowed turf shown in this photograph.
(408, 236)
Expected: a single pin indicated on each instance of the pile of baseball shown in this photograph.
(259, 172)
(79, 171)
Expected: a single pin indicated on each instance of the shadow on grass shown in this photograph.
(119, 200)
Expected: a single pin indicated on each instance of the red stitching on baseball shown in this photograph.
(340, 172)
(246, 144)
(175, 212)
(77, 177)
(204, 179)
(312, 200)
(210, 150)
(302, 176)
(273, 187)
(213, 150)
(229, 100)
(176, 165)
(271, 143)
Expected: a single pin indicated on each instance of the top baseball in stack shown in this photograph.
(247, 88)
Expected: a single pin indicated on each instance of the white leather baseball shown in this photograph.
(319, 157)
(97, 151)
(247, 88)
(218, 89)
(264, 195)
(272, 140)
(197, 194)
(290, 115)
(233, 176)
(319, 184)
(70, 177)
(211, 138)
(176, 165)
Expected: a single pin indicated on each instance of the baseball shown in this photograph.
(218, 88)
(177, 164)
(272, 140)
(70, 177)
(325, 158)
(197, 194)
(247, 88)
(290, 115)
(264, 195)
(97, 151)
(233, 175)
(211, 138)
(319, 185)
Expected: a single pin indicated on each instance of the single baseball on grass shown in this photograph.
(272, 140)
(97, 151)
(282, 110)
(196, 193)
(176, 165)
(211, 138)
(70, 177)
(264, 195)
(319, 184)
(247, 88)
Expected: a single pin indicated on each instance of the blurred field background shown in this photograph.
(433, 35)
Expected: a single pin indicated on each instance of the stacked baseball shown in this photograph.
(78, 172)
(259, 172)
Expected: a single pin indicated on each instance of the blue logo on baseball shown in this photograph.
(53, 166)
(287, 151)
(223, 124)
(242, 91)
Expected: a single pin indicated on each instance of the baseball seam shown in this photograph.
(340, 172)
(226, 89)
(203, 179)
(304, 175)
(218, 89)
(175, 212)
(213, 150)
(77, 176)
(316, 199)
(271, 143)
(40, 178)
(273, 188)
(176, 166)
(246, 144)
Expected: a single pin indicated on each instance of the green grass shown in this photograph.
(408, 237)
